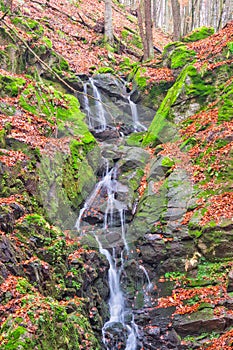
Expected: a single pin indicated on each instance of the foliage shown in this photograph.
(199, 34)
(181, 56)
(161, 121)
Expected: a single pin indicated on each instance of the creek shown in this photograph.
(105, 213)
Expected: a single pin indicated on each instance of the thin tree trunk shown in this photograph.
(145, 28)
(108, 27)
(141, 26)
(176, 19)
(148, 28)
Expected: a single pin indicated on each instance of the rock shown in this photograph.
(134, 158)
(8, 215)
(115, 335)
(111, 85)
(159, 168)
(106, 134)
(230, 281)
(198, 322)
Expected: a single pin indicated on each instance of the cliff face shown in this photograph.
(54, 286)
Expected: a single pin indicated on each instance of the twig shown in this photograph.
(47, 4)
(126, 49)
(4, 15)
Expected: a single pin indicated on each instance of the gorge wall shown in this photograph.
(175, 181)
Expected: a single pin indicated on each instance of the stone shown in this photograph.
(198, 322)
(230, 281)
(134, 158)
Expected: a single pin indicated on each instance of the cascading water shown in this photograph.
(121, 324)
(136, 123)
(120, 331)
(98, 116)
(99, 109)
(86, 106)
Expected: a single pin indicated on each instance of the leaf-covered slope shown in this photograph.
(186, 196)
(75, 30)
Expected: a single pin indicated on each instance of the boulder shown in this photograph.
(199, 322)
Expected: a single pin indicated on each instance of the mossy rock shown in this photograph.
(177, 55)
(11, 59)
(11, 86)
(55, 327)
(156, 94)
(29, 24)
(39, 99)
(226, 108)
(135, 139)
(65, 182)
(199, 34)
(162, 128)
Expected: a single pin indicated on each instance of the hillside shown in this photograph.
(176, 177)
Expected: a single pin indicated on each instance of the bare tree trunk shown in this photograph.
(148, 28)
(108, 27)
(145, 28)
(176, 19)
(141, 26)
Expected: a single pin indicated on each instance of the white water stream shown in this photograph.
(99, 108)
(120, 326)
(134, 111)
(96, 115)
(116, 302)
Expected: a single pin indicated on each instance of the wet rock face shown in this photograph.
(115, 335)
(8, 215)
(115, 107)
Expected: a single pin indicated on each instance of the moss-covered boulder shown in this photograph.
(199, 34)
(11, 86)
(177, 55)
(162, 128)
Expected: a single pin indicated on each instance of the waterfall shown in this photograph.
(120, 321)
(120, 329)
(86, 105)
(99, 108)
(149, 284)
(97, 115)
(134, 112)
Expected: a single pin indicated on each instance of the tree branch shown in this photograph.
(47, 4)
(4, 15)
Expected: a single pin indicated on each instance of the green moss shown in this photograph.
(177, 55)
(2, 138)
(225, 105)
(230, 49)
(23, 286)
(132, 19)
(167, 162)
(29, 24)
(201, 87)
(11, 86)
(47, 41)
(39, 99)
(198, 34)
(55, 328)
(135, 139)
(156, 94)
(161, 128)
(64, 65)
(134, 72)
(104, 70)
(181, 56)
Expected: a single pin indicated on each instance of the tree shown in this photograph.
(145, 27)
(176, 19)
(108, 26)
